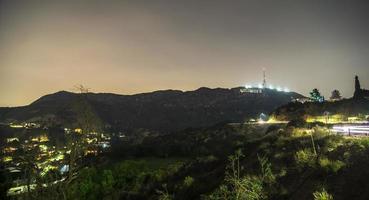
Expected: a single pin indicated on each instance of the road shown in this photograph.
(352, 129)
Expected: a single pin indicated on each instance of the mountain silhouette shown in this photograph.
(159, 110)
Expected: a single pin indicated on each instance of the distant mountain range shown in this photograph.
(159, 110)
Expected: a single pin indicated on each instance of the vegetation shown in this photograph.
(322, 195)
(338, 110)
(316, 96)
(336, 95)
(297, 161)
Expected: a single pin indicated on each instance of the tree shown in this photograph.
(316, 96)
(336, 95)
(107, 182)
(357, 84)
(5, 183)
(76, 142)
(358, 91)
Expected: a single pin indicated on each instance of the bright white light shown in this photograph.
(355, 130)
(346, 129)
(260, 86)
(286, 90)
(279, 89)
(271, 87)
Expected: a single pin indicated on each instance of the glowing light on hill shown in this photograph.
(270, 87)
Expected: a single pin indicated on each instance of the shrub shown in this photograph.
(304, 158)
(320, 132)
(129, 175)
(331, 166)
(267, 175)
(301, 132)
(322, 195)
(164, 194)
(297, 123)
(206, 159)
(107, 181)
(188, 181)
(248, 187)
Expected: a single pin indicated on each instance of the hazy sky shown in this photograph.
(139, 46)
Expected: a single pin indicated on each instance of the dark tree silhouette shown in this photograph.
(358, 92)
(336, 95)
(316, 96)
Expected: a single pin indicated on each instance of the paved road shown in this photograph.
(352, 129)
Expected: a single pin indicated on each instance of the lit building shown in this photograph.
(91, 152)
(78, 130)
(8, 140)
(7, 158)
(16, 125)
(41, 138)
(302, 100)
(9, 149)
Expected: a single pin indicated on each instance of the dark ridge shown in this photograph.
(158, 110)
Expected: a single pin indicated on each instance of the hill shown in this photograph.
(231, 162)
(344, 108)
(159, 110)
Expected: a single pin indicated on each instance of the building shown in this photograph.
(302, 100)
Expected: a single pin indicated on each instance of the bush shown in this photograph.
(304, 158)
(322, 195)
(320, 132)
(301, 132)
(130, 174)
(247, 187)
(331, 166)
(300, 123)
(164, 194)
(188, 181)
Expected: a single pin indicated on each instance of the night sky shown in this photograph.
(138, 46)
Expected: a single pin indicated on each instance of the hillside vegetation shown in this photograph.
(346, 108)
(230, 162)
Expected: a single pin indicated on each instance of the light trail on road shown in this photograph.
(352, 130)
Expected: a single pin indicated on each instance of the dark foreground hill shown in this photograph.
(274, 162)
(160, 110)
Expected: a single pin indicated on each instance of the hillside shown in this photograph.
(230, 162)
(346, 108)
(160, 110)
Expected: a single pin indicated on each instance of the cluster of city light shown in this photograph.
(270, 87)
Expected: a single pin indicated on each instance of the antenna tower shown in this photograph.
(264, 79)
